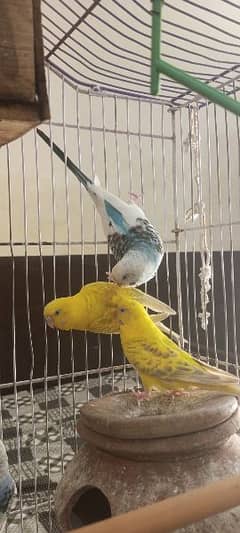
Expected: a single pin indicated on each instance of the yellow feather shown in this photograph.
(94, 308)
(160, 362)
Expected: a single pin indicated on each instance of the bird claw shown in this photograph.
(141, 395)
(136, 198)
(176, 393)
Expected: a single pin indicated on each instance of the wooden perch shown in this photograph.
(23, 95)
(176, 512)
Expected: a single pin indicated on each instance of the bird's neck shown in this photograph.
(77, 313)
(133, 332)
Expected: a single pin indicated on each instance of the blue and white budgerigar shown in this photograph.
(7, 484)
(136, 245)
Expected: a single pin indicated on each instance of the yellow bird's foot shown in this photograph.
(179, 392)
(141, 395)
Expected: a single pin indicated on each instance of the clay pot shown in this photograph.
(135, 453)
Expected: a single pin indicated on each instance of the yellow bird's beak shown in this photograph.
(50, 322)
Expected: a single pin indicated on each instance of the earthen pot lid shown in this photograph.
(122, 416)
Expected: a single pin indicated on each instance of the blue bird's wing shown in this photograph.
(116, 218)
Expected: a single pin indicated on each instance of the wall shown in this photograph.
(121, 141)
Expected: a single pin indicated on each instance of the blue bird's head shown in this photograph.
(122, 277)
(132, 270)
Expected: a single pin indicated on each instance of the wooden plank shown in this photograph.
(17, 73)
(11, 130)
(39, 63)
(23, 95)
(16, 119)
(27, 112)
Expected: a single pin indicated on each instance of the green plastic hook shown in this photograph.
(158, 66)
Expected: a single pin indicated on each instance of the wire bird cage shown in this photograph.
(179, 153)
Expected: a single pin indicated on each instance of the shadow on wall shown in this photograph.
(99, 353)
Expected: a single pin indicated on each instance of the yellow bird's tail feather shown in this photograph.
(206, 376)
(233, 390)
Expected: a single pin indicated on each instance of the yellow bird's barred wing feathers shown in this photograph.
(177, 368)
(112, 291)
(214, 373)
(145, 354)
(200, 374)
(157, 357)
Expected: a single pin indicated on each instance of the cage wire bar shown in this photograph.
(180, 231)
(40, 251)
(30, 244)
(109, 66)
(146, 137)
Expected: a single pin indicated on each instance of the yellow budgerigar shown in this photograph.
(93, 309)
(162, 364)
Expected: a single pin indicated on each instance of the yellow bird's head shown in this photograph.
(58, 313)
(131, 313)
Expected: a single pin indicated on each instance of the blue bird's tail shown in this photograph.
(76, 171)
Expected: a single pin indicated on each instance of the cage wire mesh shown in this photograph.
(178, 153)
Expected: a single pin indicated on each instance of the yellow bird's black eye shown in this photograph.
(122, 310)
(57, 312)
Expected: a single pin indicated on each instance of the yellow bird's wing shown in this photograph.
(159, 317)
(148, 356)
(149, 301)
(168, 363)
(168, 331)
(205, 373)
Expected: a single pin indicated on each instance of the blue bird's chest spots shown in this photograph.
(142, 236)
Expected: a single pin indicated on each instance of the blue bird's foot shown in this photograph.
(136, 198)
